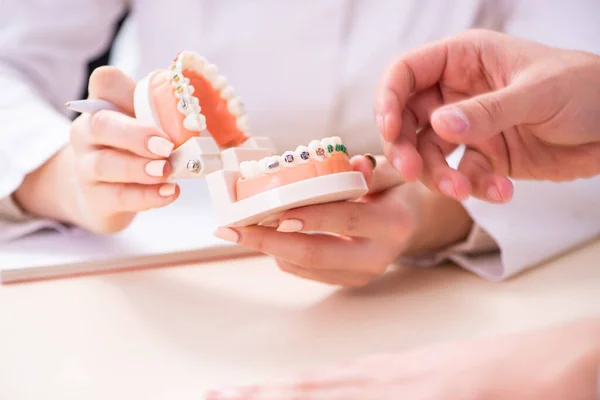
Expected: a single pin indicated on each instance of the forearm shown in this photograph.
(439, 222)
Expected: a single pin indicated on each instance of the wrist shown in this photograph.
(438, 221)
(48, 192)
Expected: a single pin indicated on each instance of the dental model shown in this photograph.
(248, 183)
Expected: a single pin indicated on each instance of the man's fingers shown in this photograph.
(437, 174)
(112, 129)
(111, 84)
(354, 219)
(108, 165)
(330, 277)
(321, 252)
(486, 184)
(484, 116)
(131, 197)
(413, 72)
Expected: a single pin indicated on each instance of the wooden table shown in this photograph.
(173, 333)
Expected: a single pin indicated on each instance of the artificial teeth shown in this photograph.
(318, 149)
(235, 106)
(270, 165)
(328, 145)
(195, 122)
(227, 93)
(220, 82)
(242, 123)
(303, 154)
(289, 159)
(198, 62)
(211, 72)
(250, 169)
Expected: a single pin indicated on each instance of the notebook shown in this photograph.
(179, 233)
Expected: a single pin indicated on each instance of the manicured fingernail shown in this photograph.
(227, 234)
(372, 159)
(447, 188)
(160, 146)
(168, 189)
(454, 119)
(493, 193)
(156, 167)
(290, 225)
(397, 163)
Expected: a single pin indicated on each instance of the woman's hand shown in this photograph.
(524, 110)
(555, 364)
(112, 168)
(357, 241)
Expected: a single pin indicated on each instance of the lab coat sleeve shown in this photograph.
(544, 219)
(44, 50)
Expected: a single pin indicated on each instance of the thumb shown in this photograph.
(484, 116)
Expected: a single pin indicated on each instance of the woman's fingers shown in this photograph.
(330, 277)
(119, 131)
(365, 165)
(111, 84)
(354, 219)
(320, 252)
(131, 197)
(113, 166)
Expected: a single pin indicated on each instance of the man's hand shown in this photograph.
(524, 110)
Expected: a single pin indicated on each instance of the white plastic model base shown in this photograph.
(268, 205)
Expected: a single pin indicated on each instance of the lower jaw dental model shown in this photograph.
(247, 181)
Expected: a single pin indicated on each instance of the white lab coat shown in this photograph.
(305, 70)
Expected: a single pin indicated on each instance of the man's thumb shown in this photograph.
(483, 116)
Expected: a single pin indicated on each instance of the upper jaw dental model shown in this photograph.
(248, 183)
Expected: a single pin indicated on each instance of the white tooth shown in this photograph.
(337, 141)
(317, 149)
(250, 169)
(303, 154)
(191, 90)
(211, 72)
(198, 63)
(201, 121)
(191, 123)
(195, 122)
(326, 143)
(242, 123)
(219, 83)
(270, 165)
(289, 159)
(186, 81)
(235, 106)
(227, 93)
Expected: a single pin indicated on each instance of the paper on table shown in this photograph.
(178, 233)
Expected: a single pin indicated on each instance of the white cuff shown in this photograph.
(478, 253)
